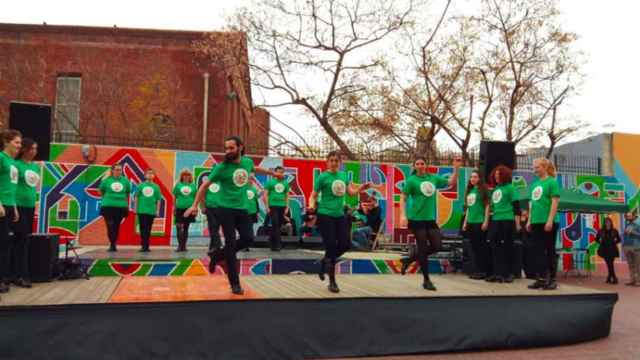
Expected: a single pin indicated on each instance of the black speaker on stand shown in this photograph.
(44, 252)
(494, 153)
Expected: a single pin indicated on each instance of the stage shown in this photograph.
(164, 261)
(291, 317)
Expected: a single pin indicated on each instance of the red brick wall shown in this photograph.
(130, 78)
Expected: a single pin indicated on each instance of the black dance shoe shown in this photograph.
(428, 285)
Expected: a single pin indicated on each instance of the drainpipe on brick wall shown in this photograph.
(205, 110)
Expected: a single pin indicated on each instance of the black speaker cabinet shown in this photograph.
(43, 256)
(33, 121)
(494, 153)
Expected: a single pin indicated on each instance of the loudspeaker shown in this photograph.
(494, 153)
(43, 256)
(33, 121)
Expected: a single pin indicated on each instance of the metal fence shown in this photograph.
(574, 164)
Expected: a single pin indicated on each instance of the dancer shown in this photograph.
(9, 216)
(421, 189)
(185, 193)
(476, 223)
(543, 223)
(252, 209)
(232, 175)
(147, 198)
(115, 189)
(331, 186)
(29, 178)
(276, 199)
(211, 204)
(505, 210)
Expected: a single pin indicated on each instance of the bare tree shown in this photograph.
(308, 54)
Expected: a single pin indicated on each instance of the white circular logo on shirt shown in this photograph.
(536, 194)
(31, 178)
(497, 196)
(147, 191)
(240, 177)
(250, 195)
(214, 188)
(185, 190)
(339, 188)
(117, 187)
(279, 188)
(471, 199)
(427, 188)
(13, 174)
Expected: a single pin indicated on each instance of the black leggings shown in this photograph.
(214, 228)
(232, 220)
(335, 236)
(7, 225)
(428, 241)
(113, 217)
(611, 269)
(146, 222)
(481, 252)
(20, 253)
(544, 247)
(501, 245)
(276, 214)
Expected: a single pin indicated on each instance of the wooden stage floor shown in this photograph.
(207, 288)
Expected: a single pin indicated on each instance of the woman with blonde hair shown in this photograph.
(543, 223)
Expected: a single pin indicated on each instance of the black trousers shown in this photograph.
(233, 220)
(146, 222)
(428, 242)
(214, 228)
(20, 251)
(544, 248)
(481, 253)
(335, 236)
(7, 228)
(276, 213)
(113, 217)
(501, 245)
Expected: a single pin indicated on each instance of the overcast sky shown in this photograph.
(608, 33)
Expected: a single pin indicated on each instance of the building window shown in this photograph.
(67, 114)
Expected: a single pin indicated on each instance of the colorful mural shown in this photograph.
(70, 202)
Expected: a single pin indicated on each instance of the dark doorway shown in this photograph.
(34, 121)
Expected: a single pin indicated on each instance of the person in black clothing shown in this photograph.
(609, 238)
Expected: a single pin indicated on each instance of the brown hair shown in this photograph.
(27, 144)
(184, 173)
(506, 175)
(7, 136)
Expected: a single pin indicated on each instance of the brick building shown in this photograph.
(133, 87)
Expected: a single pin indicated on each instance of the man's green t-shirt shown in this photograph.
(252, 200)
(278, 190)
(233, 180)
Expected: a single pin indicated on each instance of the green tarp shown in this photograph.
(575, 201)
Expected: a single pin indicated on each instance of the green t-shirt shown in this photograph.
(502, 199)
(185, 194)
(422, 193)
(331, 188)
(542, 191)
(115, 192)
(211, 200)
(252, 200)
(278, 190)
(148, 194)
(8, 179)
(29, 178)
(475, 206)
(234, 180)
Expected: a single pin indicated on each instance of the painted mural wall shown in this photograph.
(69, 201)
